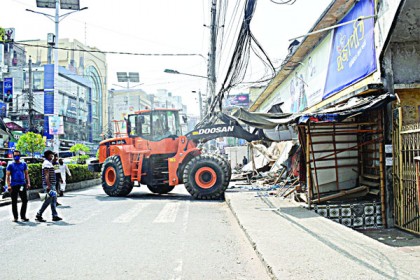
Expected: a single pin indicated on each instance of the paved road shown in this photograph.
(142, 236)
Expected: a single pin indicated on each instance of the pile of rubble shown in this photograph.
(274, 168)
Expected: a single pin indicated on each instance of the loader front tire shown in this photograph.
(114, 182)
(206, 176)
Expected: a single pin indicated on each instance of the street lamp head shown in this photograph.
(171, 71)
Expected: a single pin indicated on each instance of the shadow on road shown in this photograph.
(393, 237)
(61, 223)
(27, 224)
(151, 196)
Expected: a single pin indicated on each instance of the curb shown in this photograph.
(33, 194)
(268, 268)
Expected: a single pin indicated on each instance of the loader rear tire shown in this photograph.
(114, 182)
(160, 189)
(207, 176)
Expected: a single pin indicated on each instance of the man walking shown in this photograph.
(63, 170)
(18, 182)
(48, 184)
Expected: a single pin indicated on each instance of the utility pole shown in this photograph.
(212, 54)
(30, 101)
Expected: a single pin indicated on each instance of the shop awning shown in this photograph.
(262, 120)
(354, 106)
(14, 126)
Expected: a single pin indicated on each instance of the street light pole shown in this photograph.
(200, 103)
(56, 142)
(56, 19)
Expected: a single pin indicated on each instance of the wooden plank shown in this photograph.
(369, 183)
(371, 177)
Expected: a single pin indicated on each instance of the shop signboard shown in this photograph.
(17, 135)
(238, 100)
(352, 55)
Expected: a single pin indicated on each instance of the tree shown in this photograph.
(30, 143)
(80, 150)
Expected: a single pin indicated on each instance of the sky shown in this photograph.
(171, 27)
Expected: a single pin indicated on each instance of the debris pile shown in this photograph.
(274, 168)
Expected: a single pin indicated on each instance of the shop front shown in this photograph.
(334, 85)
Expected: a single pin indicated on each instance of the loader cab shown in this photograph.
(154, 125)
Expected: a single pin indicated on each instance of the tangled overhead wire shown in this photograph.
(241, 56)
(284, 2)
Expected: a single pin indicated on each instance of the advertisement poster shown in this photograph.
(7, 90)
(304, 87)
(352, 54)
(56, 125)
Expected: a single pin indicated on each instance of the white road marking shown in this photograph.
(185, 217)
(168, 213)
(178, 270)
(180, 262)
(126, 217)
(85, 218)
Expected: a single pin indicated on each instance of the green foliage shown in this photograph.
(79, 173)
(97, 154)
(80, 150)
(30, 143)
(34, 170)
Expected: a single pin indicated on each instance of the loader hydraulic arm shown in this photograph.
(222, 125)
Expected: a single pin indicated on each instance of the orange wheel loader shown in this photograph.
(153, 152)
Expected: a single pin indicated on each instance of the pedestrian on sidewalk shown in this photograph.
(64, 170)
(244, 161)
(49, 186)
(18, 182)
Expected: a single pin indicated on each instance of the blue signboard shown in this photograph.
(352, 54)
(49, 76)
(48, 96)
(8, 89)
(3, 109)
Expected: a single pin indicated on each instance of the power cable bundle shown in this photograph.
(241, 56)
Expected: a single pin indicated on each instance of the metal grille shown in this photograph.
(406, 141)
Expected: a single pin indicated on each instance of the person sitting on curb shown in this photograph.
(48, 184)
(18, 182)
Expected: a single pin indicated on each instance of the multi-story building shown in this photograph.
(78, 62)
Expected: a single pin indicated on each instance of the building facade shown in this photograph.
(82, 61)
(352, 88)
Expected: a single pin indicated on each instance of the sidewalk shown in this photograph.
(33, 194)
(295, 243)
